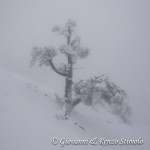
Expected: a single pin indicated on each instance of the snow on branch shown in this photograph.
(66, 30)
(64, 67)
(75, 43)
(70, 23)
(42, 55)
(73, 47)
(101, 90)
(83, 52)
(57, 70)
(68, 50)
(75, 51)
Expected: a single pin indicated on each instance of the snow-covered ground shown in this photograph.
(28, 120)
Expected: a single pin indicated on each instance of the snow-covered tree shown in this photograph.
(72, 49)
(101, 90)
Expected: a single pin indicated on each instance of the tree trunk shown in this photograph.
(68, 89)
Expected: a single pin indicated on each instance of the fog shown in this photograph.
(116, 32)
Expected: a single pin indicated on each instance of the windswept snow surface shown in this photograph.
(28, 120)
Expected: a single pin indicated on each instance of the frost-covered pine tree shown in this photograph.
(101, 90)
(72, 49)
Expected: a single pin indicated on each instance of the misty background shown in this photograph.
(116, 32)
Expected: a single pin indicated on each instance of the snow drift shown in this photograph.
(28, 120)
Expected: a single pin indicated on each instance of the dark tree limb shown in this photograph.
(76, 102)
(56, 70)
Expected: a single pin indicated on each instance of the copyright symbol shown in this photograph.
(54, 141)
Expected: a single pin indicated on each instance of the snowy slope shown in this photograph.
(28, 120)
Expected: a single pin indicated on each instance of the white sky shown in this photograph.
(116, 31)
